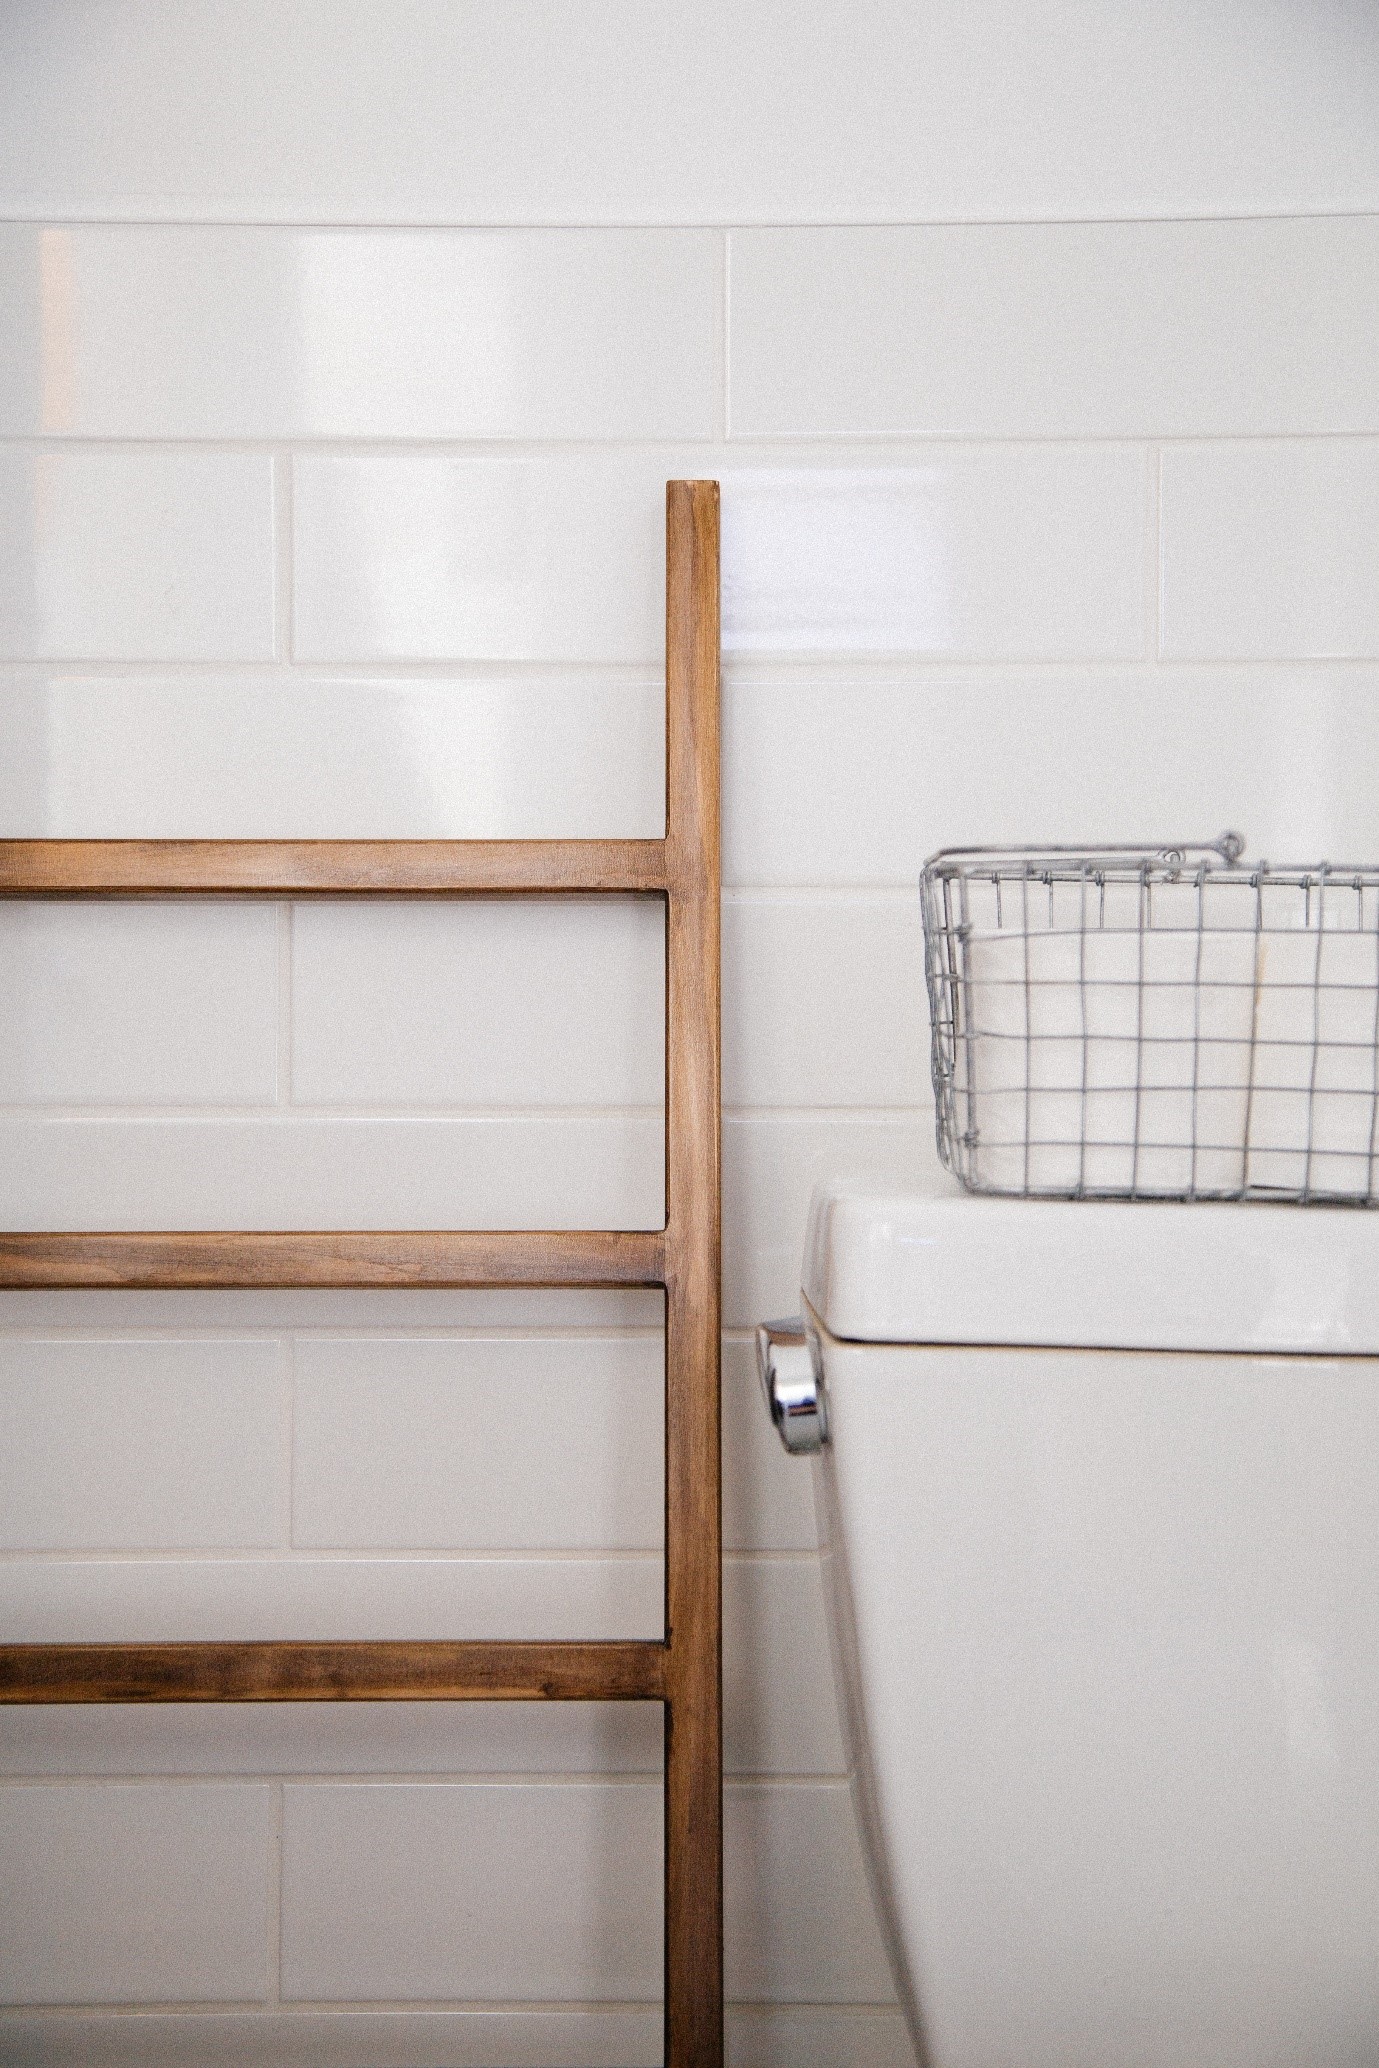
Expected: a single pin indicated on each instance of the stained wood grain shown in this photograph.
(420, 1671)
(327, 868)
(693, 1783)
(228, 1258)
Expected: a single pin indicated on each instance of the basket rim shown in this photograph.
(1222, 860)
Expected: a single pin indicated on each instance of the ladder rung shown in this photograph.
(378, 1670)
(326, 868)
(250, 1259)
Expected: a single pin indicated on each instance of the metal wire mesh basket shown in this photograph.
(1176, 1024)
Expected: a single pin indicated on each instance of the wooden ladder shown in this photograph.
(682, 1670)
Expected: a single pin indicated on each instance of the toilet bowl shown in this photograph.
(1098, 1490)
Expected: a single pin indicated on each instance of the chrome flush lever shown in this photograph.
(788, 1361)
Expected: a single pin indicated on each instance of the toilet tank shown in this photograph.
(1100, 1506)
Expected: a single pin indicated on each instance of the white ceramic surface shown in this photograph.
(1282, 750)
(538, 114)
(472, 1444)
(406, 1919)
(434, 1003)
(995, 552)
(535, 2036)
(992, 552)
(839, 775)
(90, 1599)
(1107, 1629)
(104, 1893)
(823, 1000)
(143, 332)
(152, 1443)
(304, 757)
(771, 1164)
(124, 555)
(940, 1266)
(1088, 330)
(284, 1170)
(412, 1842)
(1270, 549)
(130, 1003)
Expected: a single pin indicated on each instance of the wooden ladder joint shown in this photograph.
(363, 1670)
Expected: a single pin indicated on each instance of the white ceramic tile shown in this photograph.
(780, 1713)
(799, 1925)
(854, 779)
(1269, 550)
(503, 1890)
(307, 758)
(376, 1738)
(140, 1445)
(823, 1002)
(346, 113)
(770, 1168)
(425, 557)
(822, 2036)
(988, 552)
(90, 1600)
(499, 1002)
(296, 1172)
(138, 1894)
(620, 2036)
(387, 1309)
(1058, 330)
(481, 1890)
(758, 2036)
(159, 332)
(127, 1003)
(810, 797)
(768, 1504)
(479, 1445)
(135, 555)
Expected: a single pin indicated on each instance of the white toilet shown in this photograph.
(1099, 1489)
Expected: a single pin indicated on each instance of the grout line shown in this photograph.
(340, 1112)
(271, 1557)
(335, 1330)
(169, 672)
(442, 1777)
(277, 1558)
(671, 450)
(446, 226)
(403, 2006)
(427, 1116)
(749, 669)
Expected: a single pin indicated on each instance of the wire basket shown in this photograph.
(1175, 1024)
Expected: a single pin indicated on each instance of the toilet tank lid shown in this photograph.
(944, 1267)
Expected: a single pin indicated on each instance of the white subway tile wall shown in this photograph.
(126, 555)
(359, 334)
(123, 1894)
(336, 517)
